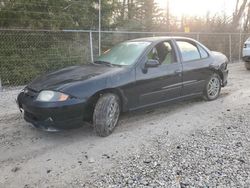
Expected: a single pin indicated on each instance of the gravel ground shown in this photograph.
(218, 157)
(187, 144)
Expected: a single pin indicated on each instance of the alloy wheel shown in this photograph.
(213, 87)
(113, 114)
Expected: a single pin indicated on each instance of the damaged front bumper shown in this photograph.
(53, 116)
(225, 78)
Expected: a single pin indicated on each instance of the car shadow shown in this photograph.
(127, 119)
(39, 142)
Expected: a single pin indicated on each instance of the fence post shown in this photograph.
(230, 48)
(240, 46)
(1, 88)
(198, 36)
(91, 46)
(100, 37)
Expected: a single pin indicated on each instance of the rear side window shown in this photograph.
(189, 51)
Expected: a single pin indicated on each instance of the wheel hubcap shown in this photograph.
(213, 87)
(113, 114)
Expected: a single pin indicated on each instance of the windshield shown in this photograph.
(124, 54)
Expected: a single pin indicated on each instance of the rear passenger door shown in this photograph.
(195, 61)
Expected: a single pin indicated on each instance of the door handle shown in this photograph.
(177, 71)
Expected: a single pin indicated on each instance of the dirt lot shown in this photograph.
(188, 144)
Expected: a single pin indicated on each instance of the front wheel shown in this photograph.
(106, 114)
(213, 88)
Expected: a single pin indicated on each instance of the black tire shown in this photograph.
(211, 93)
(106, 114)
(247, 65)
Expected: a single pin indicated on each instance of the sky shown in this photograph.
(198, 7)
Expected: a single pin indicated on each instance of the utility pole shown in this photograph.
(168, 16)
(100, 38)
(1, 88)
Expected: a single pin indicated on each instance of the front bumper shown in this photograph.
(225, 78)
(246, 53)
(53, 116)
(247, 64)
(246, 59)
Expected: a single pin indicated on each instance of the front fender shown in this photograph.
(86, 89)
(219, 66)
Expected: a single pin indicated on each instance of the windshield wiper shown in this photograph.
(107, 63)
(104, 62)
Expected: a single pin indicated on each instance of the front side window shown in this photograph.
(163, 52)
(123, 54)
(189, 51)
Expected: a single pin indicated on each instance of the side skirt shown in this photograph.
(196, 95)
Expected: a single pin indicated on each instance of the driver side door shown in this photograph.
(163, 82)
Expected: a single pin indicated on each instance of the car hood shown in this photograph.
(58, 79)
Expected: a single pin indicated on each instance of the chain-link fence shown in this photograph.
(26, 54)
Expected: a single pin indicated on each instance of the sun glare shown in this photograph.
(197, 7)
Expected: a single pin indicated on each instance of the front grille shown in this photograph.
(30, 116)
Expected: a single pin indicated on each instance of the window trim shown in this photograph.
(196, 45)
(208, 55)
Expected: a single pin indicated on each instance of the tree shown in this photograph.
(247, 20)
(51, 14)
(238, 13)
(139, 15)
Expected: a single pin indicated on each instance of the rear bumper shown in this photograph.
(52, 116)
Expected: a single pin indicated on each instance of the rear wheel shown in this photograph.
(247, 65)
(106, 114)
(213, 88)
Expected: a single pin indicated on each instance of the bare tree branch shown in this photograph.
(238, 14)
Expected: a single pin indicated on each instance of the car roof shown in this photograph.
(159, 39)
(155, 40)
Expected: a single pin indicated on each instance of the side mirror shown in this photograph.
(152, 63)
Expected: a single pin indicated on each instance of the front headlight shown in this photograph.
(51, 96)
